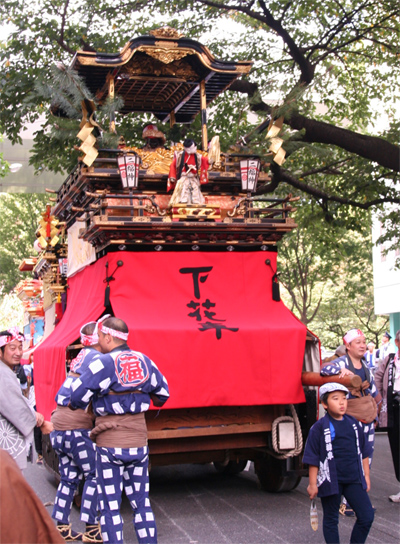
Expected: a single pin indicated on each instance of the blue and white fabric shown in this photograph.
(78, 365)
(132, 379)
(118, 469)
(76, 453)
(335, 367)
(121, 370)
(319, 453)
(77, 459)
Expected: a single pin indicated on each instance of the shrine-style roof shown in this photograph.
(159, 74)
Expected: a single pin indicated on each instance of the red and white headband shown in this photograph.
(89, 339)
(13, 334)
(351, 335)
(108, 330)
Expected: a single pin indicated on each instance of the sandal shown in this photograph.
(345, 510)
(92, 534)
(68, 534)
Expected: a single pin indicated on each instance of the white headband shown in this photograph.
(14, 334)
(351, 335)
(108, 330)
(89, 339)
(113, 332)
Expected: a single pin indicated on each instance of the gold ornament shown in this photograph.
(166, 32)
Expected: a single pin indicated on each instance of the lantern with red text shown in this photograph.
(128, 165)
(249, 172)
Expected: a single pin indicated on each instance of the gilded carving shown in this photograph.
(155, 162)
(169, 45)
(143, 65)
(159, 160)
(166, 56)
(166, 32)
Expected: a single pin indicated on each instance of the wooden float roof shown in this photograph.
(159, 74)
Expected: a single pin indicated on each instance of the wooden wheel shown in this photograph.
(272, 475)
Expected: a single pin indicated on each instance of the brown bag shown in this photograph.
(363, 407)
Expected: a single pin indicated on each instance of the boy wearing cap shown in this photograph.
(337, 454)
(76, 451)
(354, 363)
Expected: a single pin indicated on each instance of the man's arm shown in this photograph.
(159, 391)
(334, 368)
(96, 378)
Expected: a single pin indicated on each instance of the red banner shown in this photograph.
(209, 322)
(85, 303)
(206, 319)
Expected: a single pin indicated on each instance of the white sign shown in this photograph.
(129, 170)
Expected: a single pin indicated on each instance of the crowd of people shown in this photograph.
(99, 432)
(339, 448)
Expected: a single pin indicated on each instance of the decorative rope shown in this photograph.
(279, 454)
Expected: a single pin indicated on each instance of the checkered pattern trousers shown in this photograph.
(118, 469)
(77, 459)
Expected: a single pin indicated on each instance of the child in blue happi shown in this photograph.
(337, 454)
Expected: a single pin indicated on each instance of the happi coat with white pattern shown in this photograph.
(319, 453)
(334, 368)
(120, 371)
(75, 450)
(122, 383)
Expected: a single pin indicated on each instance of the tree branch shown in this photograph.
(370, 147)
(306, 68)
(285, 176)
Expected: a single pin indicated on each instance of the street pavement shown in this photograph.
(194, 504)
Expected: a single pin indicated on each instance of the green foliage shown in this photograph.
(339, 312)
(326, 272)
(20, 214)
(314, 61)
(4, 167)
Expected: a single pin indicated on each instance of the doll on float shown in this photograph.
(188, 171)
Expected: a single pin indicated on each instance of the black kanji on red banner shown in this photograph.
(202, 310)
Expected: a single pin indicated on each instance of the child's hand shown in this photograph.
(368, 482)
(312, 491)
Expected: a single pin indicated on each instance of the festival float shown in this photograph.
(189, 264)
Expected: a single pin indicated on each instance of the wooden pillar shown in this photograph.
(111, 94)
(203, 107)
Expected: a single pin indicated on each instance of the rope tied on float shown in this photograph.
(284, 454)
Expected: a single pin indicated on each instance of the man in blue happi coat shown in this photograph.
(121, 384)
(76, 451)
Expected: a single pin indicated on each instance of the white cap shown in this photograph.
(332, 386)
